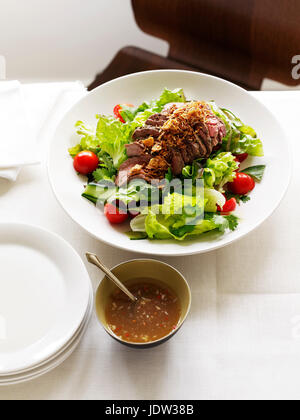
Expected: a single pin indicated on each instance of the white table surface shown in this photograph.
(242, 339)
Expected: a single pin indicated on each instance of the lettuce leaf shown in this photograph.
(179, 217)
(169, 96)
(175, 218)
(157, 228)
(220, 170)
(73, 151)
(240, 138)
(88, 139)
(140, 114)
(111, 137)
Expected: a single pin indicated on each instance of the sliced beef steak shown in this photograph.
(126, 169)
(134, 149)
(157, 120)
(185, 155)
(177, 163)
(174, 138)
(196, 150)
(144, 132)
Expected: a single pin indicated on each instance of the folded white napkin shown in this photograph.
(28, 113)
(17, 136)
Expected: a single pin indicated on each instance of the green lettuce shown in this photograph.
(220, 170)
(111, 137)
(240, 138)
(156, 228)
(175, 218)
(169, 96)
(139, 115)
(179, 217)
(193, 171)
(88, 139)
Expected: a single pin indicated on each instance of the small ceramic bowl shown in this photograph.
(131, 271)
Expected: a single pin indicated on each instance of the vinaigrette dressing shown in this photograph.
(156, 313)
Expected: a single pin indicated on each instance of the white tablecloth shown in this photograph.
(242, 339)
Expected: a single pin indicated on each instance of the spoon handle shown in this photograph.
(93, 259)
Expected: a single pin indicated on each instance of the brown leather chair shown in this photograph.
(243, 41)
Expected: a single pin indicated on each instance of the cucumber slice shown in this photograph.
(137, 236)
(99, 194)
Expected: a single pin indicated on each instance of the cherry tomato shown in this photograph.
(242, 184)
(117, 112)
(134, 214)
(229, 206)
(86, 162)
(115, 215)
(240, 158)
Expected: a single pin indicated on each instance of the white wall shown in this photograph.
(67, 39)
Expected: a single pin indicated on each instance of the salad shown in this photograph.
(169, 166)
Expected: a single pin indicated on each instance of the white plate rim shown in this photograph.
(55, 363)
(63, 349)
(86, 297)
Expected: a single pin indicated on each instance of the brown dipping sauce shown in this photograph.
(156, 313)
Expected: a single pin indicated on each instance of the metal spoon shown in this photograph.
(93, 259)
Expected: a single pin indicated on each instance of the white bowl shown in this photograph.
(136, 88)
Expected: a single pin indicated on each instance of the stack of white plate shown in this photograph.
(46, 302)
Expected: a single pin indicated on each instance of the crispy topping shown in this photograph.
(175, 138)
(136, 169)
(156, 148)
(158, 163)
(148, 142)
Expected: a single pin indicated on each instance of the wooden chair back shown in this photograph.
(242, 40)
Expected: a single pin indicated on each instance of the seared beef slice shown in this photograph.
(179, 135)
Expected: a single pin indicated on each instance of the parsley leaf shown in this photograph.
(233, 221)
(102, 173)
(106, 168)
(238, 197)
(223, 222)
